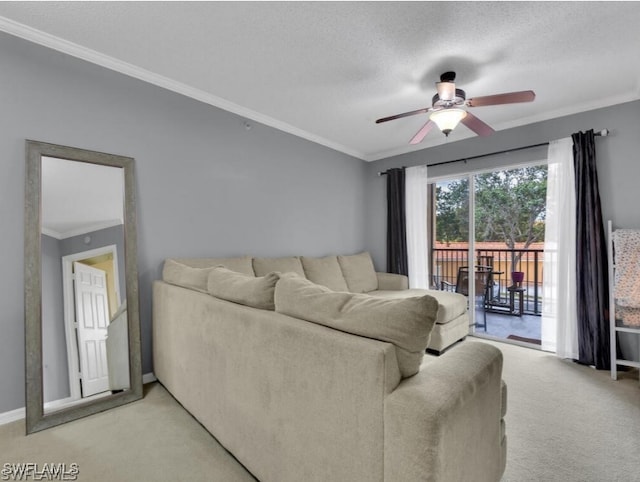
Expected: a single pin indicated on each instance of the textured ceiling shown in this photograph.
(78, 197)
(326, 70)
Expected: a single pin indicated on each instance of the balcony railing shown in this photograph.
(446, 261)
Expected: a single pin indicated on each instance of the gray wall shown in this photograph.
(55, 372)
(206, 186)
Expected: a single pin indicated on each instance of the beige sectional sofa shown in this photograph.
(356, 274)
(301, 382)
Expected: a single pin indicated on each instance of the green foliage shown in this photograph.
(452, 211)
(509, 207)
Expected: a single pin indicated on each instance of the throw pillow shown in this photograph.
(407, 323)
(325, 271)
(359, 272)
(243, 289)
(240, 264)
(182, 275)
(262, 266)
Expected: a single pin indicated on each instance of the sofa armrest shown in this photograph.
(392, 281)
(445, 423)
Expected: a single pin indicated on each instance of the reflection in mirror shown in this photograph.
(82, 332)
(84, 319)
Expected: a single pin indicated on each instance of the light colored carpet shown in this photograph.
(568, 422)
(565, 423)
(151, 439)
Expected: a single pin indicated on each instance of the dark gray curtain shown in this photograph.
(396, 223)
(591, 257)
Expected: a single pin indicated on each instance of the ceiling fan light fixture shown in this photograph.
(446, 91)
(448, 119)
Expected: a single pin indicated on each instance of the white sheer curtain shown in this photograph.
(559, 305)
(416, 201)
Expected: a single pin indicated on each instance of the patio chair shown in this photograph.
(483, 284)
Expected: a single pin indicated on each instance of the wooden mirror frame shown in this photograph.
(36, 419)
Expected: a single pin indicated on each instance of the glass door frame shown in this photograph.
(470, 177)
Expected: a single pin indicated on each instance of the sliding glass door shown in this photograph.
(487, 243)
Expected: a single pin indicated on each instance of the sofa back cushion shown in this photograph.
(263, 266)
(324, 271)
(180, 274)
(359, 272)
(240, 264)
(257, 292)
(407, 323)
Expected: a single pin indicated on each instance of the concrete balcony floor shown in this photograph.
(502, 326)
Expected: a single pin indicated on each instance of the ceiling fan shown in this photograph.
(446, 111)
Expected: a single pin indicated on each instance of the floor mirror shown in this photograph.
(82, 327)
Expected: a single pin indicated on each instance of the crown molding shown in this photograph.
(70, 48)
(56, 43)
(87, 229)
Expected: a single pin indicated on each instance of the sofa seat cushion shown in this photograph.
(324, 271)
(257, 292)
(263, 266)
(450, 305)
(406, 323)
(359, 272)
(240, 264)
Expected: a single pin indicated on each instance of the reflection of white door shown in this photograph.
(92, 317)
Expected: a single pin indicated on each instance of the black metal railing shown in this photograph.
(446, 261)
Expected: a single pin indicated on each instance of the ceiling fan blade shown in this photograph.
(420, 135)
(476, 125)
(406, 114)
(498, 99)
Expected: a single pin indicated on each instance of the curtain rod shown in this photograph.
(602, 133)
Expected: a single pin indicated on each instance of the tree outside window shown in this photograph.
(510, 207)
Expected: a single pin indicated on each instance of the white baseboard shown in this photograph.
(12, 416)
(19, 413)
(60, 403)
